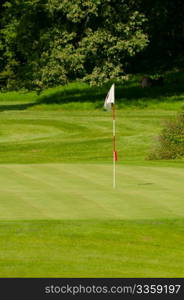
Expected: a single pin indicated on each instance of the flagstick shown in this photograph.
(110, 103)
(114, 144)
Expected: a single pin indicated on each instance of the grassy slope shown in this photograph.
(59, 136)
(66, 128)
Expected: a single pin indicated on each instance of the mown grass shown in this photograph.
(84, 191)
(92, 248)
(59, 214)
(65, 136)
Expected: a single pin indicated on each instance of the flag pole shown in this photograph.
(110, 104)
(114, 144)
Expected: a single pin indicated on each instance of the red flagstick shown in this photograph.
(114, 145)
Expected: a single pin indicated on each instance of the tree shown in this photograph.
(50, 42)
(165, 29)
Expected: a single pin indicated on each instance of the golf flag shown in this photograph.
(110, 99)
(108, 105)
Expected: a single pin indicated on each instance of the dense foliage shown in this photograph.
(165, 30)
(49, 42)
(171, 140)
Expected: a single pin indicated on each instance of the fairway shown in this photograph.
(84, 191)
(92, 248)
(60, 216)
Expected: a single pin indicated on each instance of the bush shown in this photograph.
(170, 143)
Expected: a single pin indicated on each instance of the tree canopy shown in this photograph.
(49, 42)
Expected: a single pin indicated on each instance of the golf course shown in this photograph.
(59, 214)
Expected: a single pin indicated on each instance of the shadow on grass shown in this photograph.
(128, 93)
(17, 106)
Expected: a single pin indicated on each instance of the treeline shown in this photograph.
(50, 42)
(165, 30)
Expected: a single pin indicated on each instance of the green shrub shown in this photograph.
(170, 143)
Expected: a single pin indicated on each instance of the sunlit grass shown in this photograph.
(59, 216)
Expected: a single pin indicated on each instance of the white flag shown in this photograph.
(110, 99)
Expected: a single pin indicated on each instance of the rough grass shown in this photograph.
(59, 216)
(79, 96)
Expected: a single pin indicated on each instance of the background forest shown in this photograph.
(46, 43)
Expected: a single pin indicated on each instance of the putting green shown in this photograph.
(84, 191)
